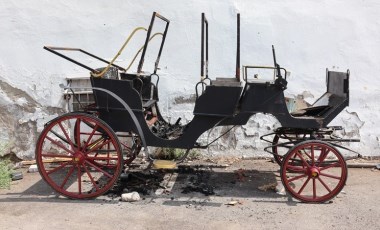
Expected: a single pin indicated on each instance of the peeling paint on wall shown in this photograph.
(21, 120)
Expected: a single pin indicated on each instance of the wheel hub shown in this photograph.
(79, 157)
(314, 172)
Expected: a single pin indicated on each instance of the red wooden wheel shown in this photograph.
(79, 156)
(313, 171)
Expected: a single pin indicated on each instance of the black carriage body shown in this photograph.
(218, 105)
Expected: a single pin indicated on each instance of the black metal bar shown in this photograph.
(162, 17)
(54, 49)
(141, 63)
(162, 42)
(348, 87)
(196, 88)
(101, 59)
(67, 58)
(206, 47)
(277, 66)
(260, 67)
(62, 48)
(238, 49)
(202, 44)
(76, 98)
(221, 135)
(204, 39)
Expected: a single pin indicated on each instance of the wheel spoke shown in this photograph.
(304, 152)
(59, 167)
(331, 176)
(102, 158)
(90, 136)
(314, 189)
(99, 169)
(101, 165)
(323, 156)
(126, 146)
(56, 155)
(94, 143)
(303, 186)
(59, 145)
(67, 176)
(79, 180)
(108, 154)
(324, 184)
(330, 166)
(91, 178)
(297, 178)
(295, 169)
(304, 161)
(312, 155)
(77, 131)
(98, 146)
(66, 135)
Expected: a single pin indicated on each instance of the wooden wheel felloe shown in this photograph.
(79, 156)
(313, 171)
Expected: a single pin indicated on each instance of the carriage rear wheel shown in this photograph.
(313, 171)
(79, 156)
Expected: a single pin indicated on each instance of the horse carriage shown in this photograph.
(82, 154)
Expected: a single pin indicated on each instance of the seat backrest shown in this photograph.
(122, 88)
(218, 101)
(336, 97)
(337, 83)
(143, 85)
(337, 89)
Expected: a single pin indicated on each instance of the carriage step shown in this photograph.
(164, 164)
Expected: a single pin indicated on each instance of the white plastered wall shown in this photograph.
(308, 35)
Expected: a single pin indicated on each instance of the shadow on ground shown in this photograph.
(186, 182)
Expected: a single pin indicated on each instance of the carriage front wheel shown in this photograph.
(79, 156)
(313, 171)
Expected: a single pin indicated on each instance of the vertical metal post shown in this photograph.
(206, 48)
(162, 42)
(141, 63)
(237, 74)
(202, 45)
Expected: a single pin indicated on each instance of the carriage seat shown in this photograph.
(143, 84)
(334, 100)
(218, 100)
(221, 81)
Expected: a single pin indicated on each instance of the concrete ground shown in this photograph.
(196, 198)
